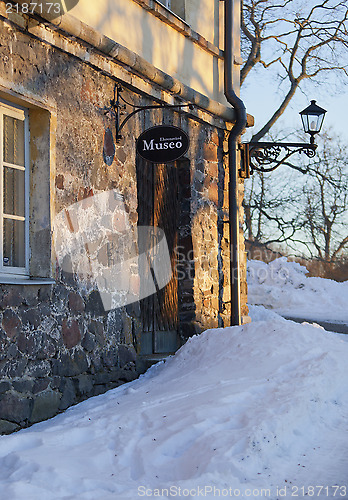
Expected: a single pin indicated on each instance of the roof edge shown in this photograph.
(72, 26)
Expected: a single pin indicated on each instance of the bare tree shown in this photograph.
(306, 214)
(299, 39)
(325, 208)
(268, 219)
(273, 208)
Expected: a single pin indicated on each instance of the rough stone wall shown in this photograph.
(210, 232)
(58, 345)
(57, 348)
(225, 251)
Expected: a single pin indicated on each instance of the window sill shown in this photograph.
(16, 280)
(180, 25)
(169, 11)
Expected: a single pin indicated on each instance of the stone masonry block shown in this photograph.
(46, 405)
(11, 323)
(76, 303)
(210, 152)
(7, 427)
(15, 408)
(71, 333)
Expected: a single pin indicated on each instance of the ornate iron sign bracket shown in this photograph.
(267, 156)
(118, 104)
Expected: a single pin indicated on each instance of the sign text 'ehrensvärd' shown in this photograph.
(162, 144)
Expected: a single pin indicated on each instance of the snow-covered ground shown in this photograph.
(284, 287)
(259, 410)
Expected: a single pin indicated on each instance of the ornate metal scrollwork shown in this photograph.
(118, 109)
(267, 156)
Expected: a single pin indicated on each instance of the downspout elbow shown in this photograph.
(231, 96)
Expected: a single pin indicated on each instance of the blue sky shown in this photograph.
(261, 97)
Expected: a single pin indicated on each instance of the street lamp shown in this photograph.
(312, 119)
(267, 156)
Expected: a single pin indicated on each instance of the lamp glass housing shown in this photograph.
(312, 118)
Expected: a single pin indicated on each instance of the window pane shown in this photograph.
(178, 6)
(165, 2)
(14, 243)
(14, 191)
(13, 138)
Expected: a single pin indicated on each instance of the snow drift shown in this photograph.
(284, 287)
(259, 409)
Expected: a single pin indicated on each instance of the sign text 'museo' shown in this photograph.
(162, 144)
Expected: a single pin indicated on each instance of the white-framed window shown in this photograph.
(14, 190)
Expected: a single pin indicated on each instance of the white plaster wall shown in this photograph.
(205, 17)
(139, 30)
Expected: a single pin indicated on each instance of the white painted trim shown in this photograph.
(11, 165)
(13, 110)
(13, 217)
(12, 271)
(21, 280)
(27, 187)
(19, 113)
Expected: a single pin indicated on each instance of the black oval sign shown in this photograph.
(162, 144)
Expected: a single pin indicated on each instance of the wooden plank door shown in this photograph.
(158, 208)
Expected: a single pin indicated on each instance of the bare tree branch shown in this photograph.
(302, 39)
(310, 212)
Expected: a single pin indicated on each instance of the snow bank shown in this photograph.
(255, 409)
(284, 287)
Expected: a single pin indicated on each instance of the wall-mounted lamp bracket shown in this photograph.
(267, 156)
(118, 108)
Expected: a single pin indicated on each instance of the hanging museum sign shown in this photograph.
(162, 144)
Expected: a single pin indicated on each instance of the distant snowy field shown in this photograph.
(284, 287)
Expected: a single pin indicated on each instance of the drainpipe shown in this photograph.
(231, 10)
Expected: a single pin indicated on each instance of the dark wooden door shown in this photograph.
(158, 208)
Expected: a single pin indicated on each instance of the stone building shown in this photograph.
(67, 187)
